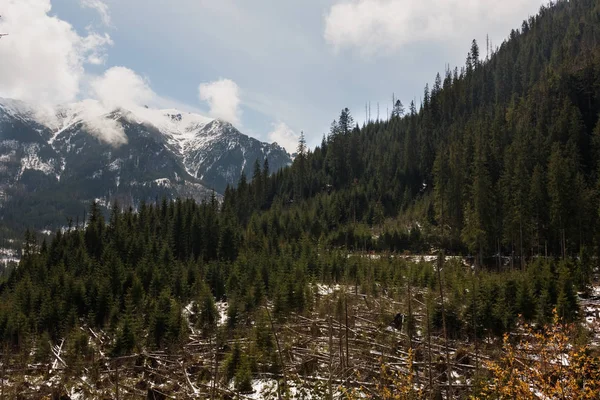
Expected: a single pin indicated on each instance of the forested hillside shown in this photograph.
(307, 278)
(502, 155)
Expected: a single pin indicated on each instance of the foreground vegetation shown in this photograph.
(145, 291)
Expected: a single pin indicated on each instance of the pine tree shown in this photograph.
(258, 186)
(398, 110)
(479, 210)
(233, 362)
(538, 201)
(300, 168)
(566, 305)
(559, 180)
(475, 54)
(243, 377)
(517, 205)
(346, 122)
(207, 321)
(126, 340)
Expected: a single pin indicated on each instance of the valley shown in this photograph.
(448, 250)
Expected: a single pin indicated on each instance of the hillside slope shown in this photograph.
(502, 156)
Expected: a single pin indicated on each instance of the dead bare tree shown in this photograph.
(278, 352)
(445, 331)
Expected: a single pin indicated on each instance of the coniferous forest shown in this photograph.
(429, 255)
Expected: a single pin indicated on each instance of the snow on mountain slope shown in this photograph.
(31, 161)
(17, 109)
(201, 144)
(198, 142)
(179, 127)
(82, 151)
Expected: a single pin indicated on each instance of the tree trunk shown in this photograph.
(448, 366)
(429, 351)
(117, 381)
(329, 387)
(216, 368)
(278, 352)
(347, 334)
(521, 245)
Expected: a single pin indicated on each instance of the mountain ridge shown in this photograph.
(125, 154)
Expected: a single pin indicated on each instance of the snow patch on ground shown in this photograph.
(428, 258)
(267, 389)
(591, 313)
(76, 395)
(187, 312)
(263, 388)
(325, 290)
(222, 308)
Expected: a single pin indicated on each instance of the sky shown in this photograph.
(273, 68)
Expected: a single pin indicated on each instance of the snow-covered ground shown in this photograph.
(263, 388)
(315, 389)
(427, 258)
(591, 313)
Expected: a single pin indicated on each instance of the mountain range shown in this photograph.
(54, 162)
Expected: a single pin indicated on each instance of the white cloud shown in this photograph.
(101, 7)
(284, 136)
(93, 113)
(384, 26)
(43, 58)
(93, 46)
(223, 98)
(122, 87)
(119, 87)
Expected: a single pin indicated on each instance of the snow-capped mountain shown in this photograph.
(53, 160)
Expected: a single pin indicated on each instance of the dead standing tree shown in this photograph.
(357, 333)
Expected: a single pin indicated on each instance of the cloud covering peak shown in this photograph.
(223, 98)
(283, 135)
(122, 87)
